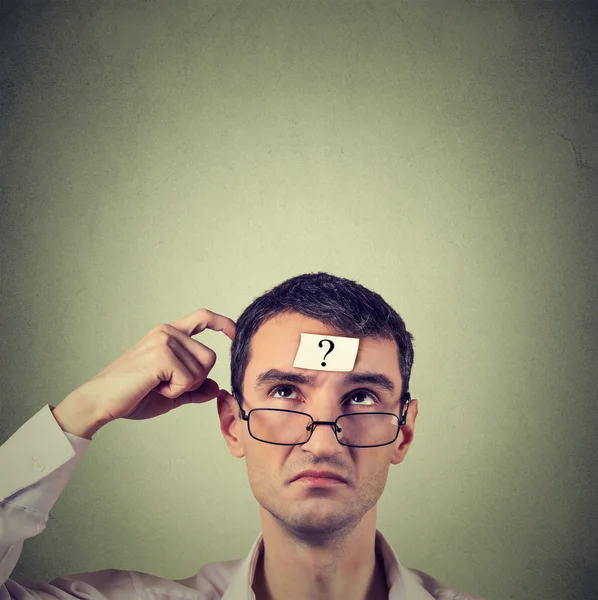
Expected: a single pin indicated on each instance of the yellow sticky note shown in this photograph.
(326, 352)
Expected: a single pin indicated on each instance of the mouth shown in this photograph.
(322, 476)
(318, 481)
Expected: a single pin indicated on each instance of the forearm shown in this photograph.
(77, 417)
(36, 463)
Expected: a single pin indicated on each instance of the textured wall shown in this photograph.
(161, 156)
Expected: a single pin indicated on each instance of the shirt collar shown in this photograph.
(402, 583)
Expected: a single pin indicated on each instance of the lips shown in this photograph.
(327, 474)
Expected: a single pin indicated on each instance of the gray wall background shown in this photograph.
(157, 157)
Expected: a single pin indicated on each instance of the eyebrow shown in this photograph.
(367, 377)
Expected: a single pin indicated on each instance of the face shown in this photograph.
(302, 510)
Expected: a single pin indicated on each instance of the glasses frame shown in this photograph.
(406, 398)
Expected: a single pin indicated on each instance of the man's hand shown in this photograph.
(164, 370)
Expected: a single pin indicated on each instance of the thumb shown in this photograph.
(207, 391)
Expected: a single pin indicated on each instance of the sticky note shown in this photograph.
(326, 352)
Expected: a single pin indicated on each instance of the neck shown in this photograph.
(291, 569)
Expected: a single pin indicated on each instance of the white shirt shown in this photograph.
(36, 463)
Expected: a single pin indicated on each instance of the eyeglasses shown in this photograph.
(283, 427)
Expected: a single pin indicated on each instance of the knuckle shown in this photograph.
(211, 357)
(183, 384)
(163, 353)
(161, 337)
(173, 392)
(167, 392)
(159, 332)
(188, 380)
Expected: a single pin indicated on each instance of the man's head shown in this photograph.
(267, 337)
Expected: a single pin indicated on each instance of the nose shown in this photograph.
(323, 440)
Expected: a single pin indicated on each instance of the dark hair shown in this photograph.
(345, 305)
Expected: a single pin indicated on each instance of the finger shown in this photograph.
(203, 318)
(193, 363)
(176, 379)
(196, 356)
(207, 391)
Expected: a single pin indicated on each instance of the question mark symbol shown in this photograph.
(329, 351)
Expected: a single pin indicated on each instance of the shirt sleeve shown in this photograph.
(36, 463)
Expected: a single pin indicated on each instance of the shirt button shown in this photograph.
(38, 466)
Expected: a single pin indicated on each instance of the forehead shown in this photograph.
(276, 342)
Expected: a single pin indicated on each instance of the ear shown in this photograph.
(230, 422)
(406, 434)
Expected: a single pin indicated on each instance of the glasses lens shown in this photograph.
(367, 429)
(286, 427)
(279, 426)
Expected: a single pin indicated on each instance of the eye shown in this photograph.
(364, 393)
(352, 394)
(281, 387)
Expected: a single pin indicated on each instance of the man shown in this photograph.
(298, 412)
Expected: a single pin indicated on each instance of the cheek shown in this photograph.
(374, 473)
(263, 467)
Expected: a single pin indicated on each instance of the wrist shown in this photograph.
(75, 416)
